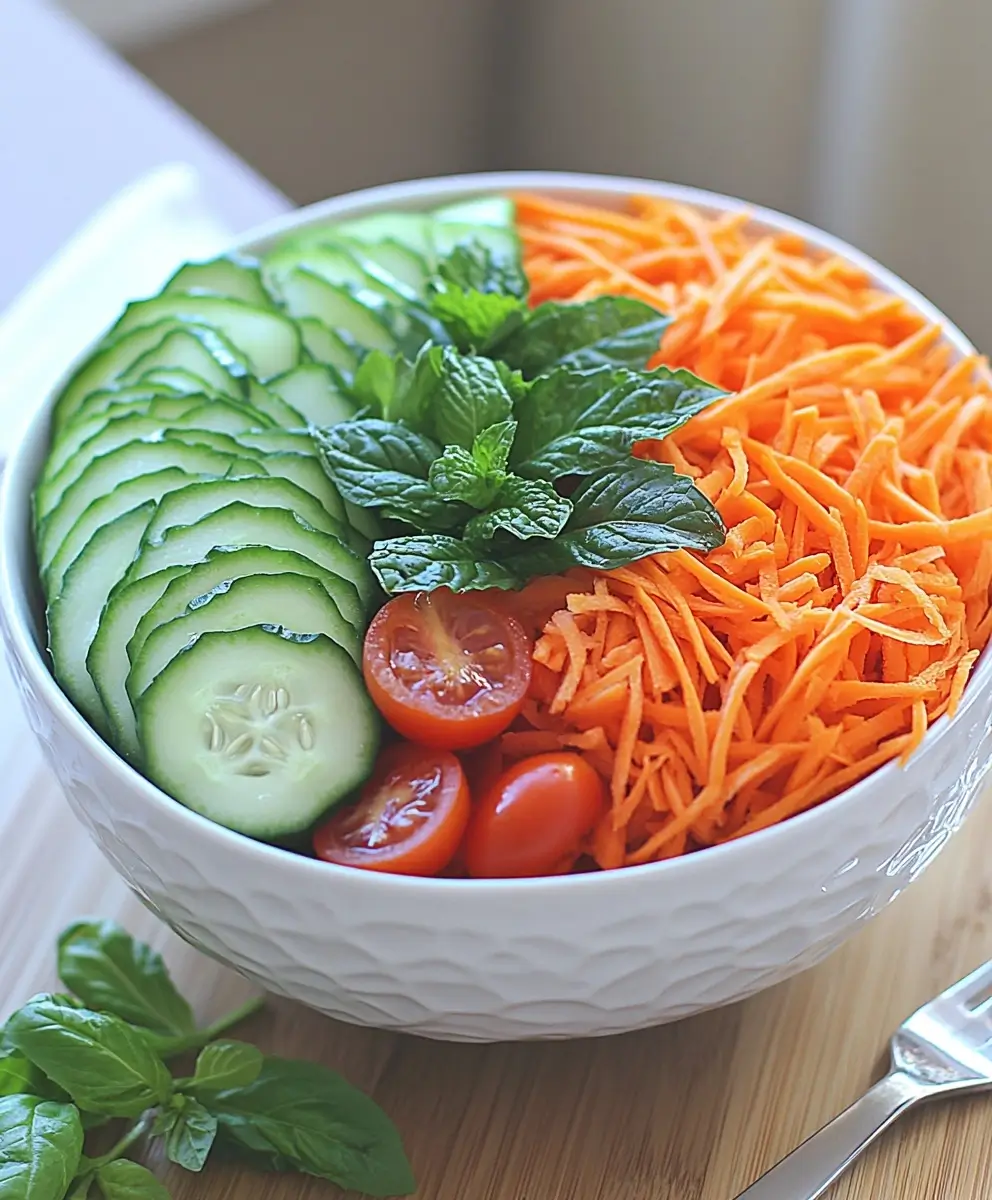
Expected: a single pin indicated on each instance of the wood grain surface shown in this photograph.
(693, 1111)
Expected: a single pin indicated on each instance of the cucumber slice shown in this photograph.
(259, 729)
(180, 381)
(274, 407)
(279, 441)
(240, 524)
(79, 430)
(261, 491)
(485, 210)
(237, 278)
(354, 314)
(107, 661)
(335, 262)
(106, 400)
(104, 473)
(269, 341)
(222, 565)
(325, 346)
(399, 262)
(106, 364)
(312, 392)
(293, 601)
(223, 416)
(501, 241)
(308, 474)
(409, 229)
(74, 614)
(184, 349)
(124, 497)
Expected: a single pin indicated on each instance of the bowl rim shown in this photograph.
(417, 195)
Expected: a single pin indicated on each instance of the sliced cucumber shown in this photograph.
(237, 278)
(354, 314)
(259, 730)
(191, 503)
(409, 229)
(484, 210)
(330, 262)
(106, 364)
(74, 614)
(223, 416)
(274, 407)
(279, 441)
(240, 524)
(325, 346)
(269, 341)
(105, 400)
(398, 261)
(180, 381)
(123, 498)
(292, 601)
(312, 392)
(103, 475)
(501, 241)
(79, 429)
(308, 474)
(107, 661)
(185, 350)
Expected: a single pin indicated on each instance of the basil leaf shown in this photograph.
(18, 1075)
(378, 464)
(82, 1188)
(126, 1180)
(524, 508)
(574, 422)
(102, 964)
(476, 319)
(302, 1115)
(415, 564)
(470, 396)
(606, 331)
(475, 476)
(41, 1143)
(227, 1064)
(188, 1141)
(472, 266)
(100, 1061)
(620, 516)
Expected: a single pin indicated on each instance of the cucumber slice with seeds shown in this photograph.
(293, 601)
(260, 730)
(74, 614)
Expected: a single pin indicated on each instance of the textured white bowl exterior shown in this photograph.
(489, 961)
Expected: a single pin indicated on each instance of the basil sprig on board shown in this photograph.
(506, 451)
(74, 1061)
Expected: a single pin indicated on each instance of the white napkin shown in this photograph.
(125, 252)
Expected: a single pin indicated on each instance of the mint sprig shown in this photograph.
(77, 1060)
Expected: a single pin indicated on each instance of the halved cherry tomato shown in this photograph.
(410, 818)
(534, 818)
(446, 670)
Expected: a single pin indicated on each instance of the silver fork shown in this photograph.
(944, 1048)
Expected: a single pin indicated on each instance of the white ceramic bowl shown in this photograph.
(504, 959)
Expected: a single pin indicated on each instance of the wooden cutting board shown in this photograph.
(693, 1111)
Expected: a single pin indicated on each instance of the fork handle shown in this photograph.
(812, 1167)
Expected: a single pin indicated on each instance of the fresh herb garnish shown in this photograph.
(76, 1060)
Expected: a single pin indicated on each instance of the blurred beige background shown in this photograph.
(872, 118)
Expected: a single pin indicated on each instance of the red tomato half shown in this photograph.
(446, 670)
(534, 818)
(410, 818)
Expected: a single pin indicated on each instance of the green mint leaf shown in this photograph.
(379, 464)
(456, 476)
(18, 1075)
(525, 508)
(226, 1065)
(620, 516)
(472, 267)
(475, 319)
(469, 397)
(126, 1180)
(41, 1143)
(492, 447)
(301, 1115)
(188, 1141)
(606, 331)
(102, 1063)
(573, 422)
(378, 381)
(415, 385)
(102, 964)
(420, 564)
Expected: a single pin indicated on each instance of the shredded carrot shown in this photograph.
(851, 461)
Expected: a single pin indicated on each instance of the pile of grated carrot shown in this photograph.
(852, 465)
